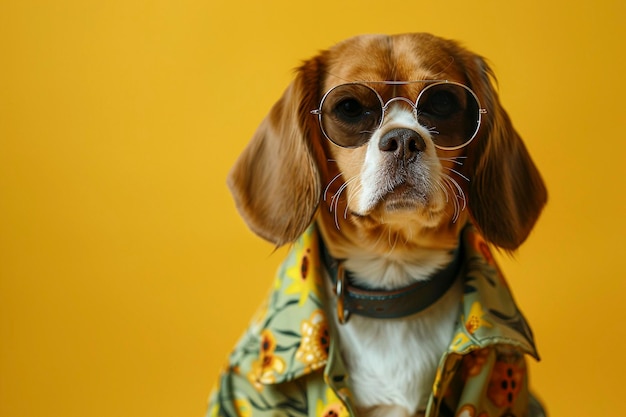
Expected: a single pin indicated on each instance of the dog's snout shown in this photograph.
(404, 143)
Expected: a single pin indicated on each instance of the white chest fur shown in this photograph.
(392, 362)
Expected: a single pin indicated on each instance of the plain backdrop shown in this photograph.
(126, 275)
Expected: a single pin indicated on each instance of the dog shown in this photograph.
(391, 167)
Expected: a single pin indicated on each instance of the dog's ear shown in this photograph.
(506, 191)
(276, 180)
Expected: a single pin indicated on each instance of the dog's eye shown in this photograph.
(350, 110)
(442, 104)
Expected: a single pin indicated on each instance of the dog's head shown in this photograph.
(396, 135)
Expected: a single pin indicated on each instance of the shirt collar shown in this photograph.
(296, 312)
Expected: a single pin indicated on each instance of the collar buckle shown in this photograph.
(343, 314)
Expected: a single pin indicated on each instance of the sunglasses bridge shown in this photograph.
(384, 106)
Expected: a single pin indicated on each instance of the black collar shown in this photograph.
(387, 304)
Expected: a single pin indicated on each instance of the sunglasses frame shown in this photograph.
(384, 106)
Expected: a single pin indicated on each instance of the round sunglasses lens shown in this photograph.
(450, 112)
(350, 113)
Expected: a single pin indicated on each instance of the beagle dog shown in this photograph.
(391, 147)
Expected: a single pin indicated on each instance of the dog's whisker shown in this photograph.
(454, 160)
(461, 194)
(343, 187)
(455, 203)
(433, 131)
(335, 200)
(451, 182)
(335, 214)
(335, 203)
(458, 173)
(330, 183)
(356, 192)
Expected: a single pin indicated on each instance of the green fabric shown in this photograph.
(287, 363)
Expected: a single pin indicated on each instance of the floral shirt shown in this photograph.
(288, 364)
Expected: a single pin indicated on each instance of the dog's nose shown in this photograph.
(404, 143)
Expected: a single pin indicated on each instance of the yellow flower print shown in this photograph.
(332, 407)
(459, 341)
(475, 319)
(243, 407)
(304, 274)
(313, 350)
(267, 366)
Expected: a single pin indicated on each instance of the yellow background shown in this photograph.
(125, 273)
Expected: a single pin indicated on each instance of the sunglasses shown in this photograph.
(350, 113)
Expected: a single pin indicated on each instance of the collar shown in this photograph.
(294, 321)
(387, 304)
